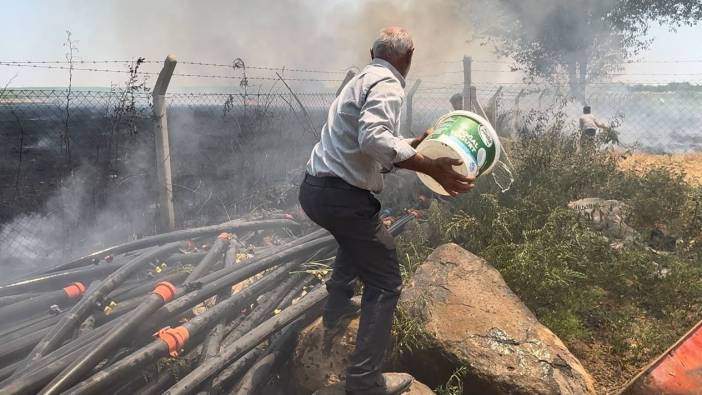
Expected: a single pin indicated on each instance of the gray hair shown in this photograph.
(392, 42)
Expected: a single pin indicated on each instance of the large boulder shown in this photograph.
(321, 356)
(417, 388)
(470, 318)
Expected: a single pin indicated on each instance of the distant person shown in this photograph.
(588, 126)
(456, 101)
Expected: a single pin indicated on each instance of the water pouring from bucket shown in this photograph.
(465, 136)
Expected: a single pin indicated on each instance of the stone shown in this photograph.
(470, 318)
(417, 388)
(609, 217)
(321, 356)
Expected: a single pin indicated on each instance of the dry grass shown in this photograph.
(691, 163)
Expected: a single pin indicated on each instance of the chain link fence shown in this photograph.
(77, 168)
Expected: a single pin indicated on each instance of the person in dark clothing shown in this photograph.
(360, 142)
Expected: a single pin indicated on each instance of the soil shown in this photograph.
(691, 163)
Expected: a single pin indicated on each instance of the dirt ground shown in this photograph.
(691, 163)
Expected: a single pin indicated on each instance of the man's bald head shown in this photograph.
(394, 44)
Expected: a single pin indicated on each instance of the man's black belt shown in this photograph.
(331, 181)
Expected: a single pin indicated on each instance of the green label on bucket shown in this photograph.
(468, 134)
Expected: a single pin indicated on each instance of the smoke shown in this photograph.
(318, 34)
(83, 214)
(324, 35)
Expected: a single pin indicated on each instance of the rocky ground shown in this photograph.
(457, 317)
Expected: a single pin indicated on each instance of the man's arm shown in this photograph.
(375, 125)
(376, 139)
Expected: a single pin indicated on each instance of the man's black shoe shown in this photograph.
(389, 384)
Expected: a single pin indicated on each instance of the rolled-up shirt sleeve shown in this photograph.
(379, 116)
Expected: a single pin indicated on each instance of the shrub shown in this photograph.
(632, 298)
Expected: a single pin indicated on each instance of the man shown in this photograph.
(588, 126)
(456, 101)
(359, 142)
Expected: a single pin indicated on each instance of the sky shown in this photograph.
(305, 34)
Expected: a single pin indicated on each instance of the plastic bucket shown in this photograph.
(461, 135)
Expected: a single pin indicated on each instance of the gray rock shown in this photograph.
(609, 217)
(471, 318)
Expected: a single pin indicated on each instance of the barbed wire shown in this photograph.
(61, 65)
(215, 76)
(229, 66)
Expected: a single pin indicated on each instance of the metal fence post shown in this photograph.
(467, 64)
(163, 150)
(409, 104)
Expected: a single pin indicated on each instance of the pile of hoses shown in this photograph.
(204, 310)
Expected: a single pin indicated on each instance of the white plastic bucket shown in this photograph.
(465, 136)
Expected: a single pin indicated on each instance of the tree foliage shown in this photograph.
(577, 41)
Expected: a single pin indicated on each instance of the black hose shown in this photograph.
(36, 305)
(263, 310)
(237, 368)
(10, 299)
(232, 372)
(212, 255)
(216, 282)
(210, 348)
(76, 315)
(9, 350)
(178, 235)
(148, 285)
(57, 280)
(249, 341)
(18, 329)
(278, 350)
(212, 343)
(167, 377)
(7, 371)
(196, 326)
(34, 378)
(85, 363)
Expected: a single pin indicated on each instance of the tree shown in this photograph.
(576, 41)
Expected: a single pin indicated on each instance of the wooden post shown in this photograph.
(410, 99)
(467, 64)
(163, 150)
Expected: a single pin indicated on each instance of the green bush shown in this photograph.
(634, 299)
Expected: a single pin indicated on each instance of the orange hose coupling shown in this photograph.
(225, 236)
(75, 290)
(175, 338)
(165, 290)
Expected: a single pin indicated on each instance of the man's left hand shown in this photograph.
(415, 143)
